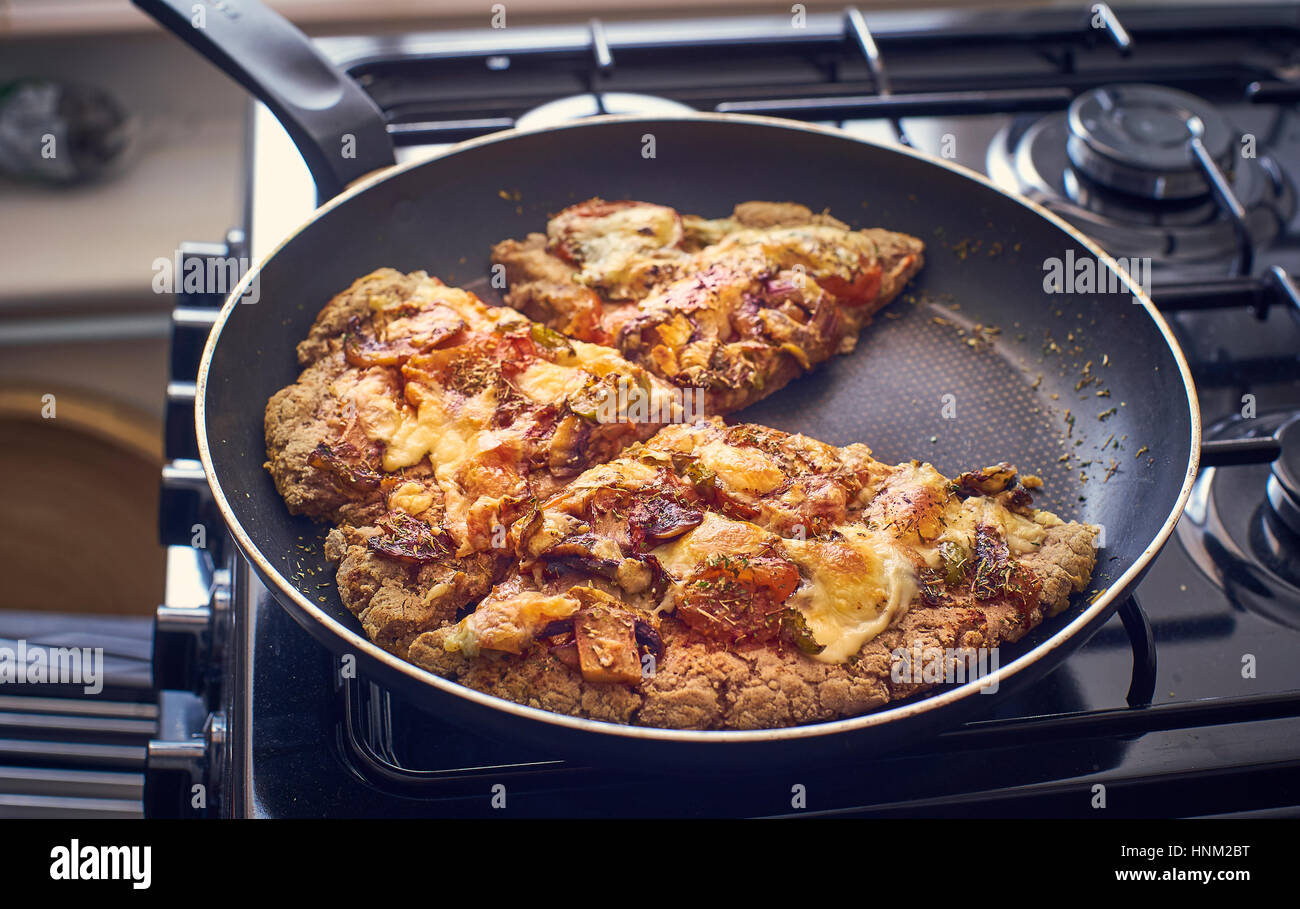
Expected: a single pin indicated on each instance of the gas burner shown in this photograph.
(1284, 479)
(1116, 166)
(576, 107)
(1133, 138)
(1242, 523)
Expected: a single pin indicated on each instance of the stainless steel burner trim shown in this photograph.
(1105, 159)
(1198, 246)
(1093, 612)
(1205, 522)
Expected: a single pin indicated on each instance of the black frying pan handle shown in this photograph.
(338, 129)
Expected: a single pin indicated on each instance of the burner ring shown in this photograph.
(577, 107)
(1184, 238)
(1284, 476)
(1244, 542)
(1284, 506)
(1133, 138)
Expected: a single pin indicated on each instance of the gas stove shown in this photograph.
(1186, 703)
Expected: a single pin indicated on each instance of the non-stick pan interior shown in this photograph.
(976, 364)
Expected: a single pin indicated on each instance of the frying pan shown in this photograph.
(976, 364)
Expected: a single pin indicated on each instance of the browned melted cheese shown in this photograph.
(617, 246)
(485, 404)
(698, 526)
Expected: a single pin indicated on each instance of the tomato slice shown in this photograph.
(733, 599)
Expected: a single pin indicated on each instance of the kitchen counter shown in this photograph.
(92, 247)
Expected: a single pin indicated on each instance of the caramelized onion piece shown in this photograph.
(397, 340)
(648, 638)
(410, 540)
(345, 465)
(661, 516)
(987, 482)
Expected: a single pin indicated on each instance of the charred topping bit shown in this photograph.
(344, 464)
(649, 640)
(987, 482)
(557, 628)
(543, 422)
(705, 484)
(524, 529)
(659, 578)
(661, 515)
(511, 406)
(998, 576)
(1019, 501)
(409, 539)
(932, 586)
(576, 555)
(431, 329)
(361, 351)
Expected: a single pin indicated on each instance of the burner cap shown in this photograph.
(576, 107)
(1134, 138)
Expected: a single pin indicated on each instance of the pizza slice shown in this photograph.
(737, 306)
(425, 423)
(740, 577)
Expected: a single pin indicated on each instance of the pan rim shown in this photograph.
(1093, 612)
